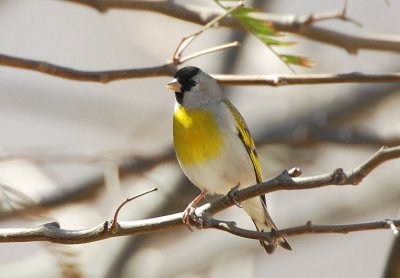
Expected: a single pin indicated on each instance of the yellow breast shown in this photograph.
(197, 137)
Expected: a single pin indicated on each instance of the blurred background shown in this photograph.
(62, 142)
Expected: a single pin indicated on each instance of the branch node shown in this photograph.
(295, 172)
(285, 176)
(53, 224)
(277, 81)
(339, 176)
(391, 225)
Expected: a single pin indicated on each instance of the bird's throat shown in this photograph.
(197, 137)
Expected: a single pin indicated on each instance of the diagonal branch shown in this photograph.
(299, 25)
(53, 233)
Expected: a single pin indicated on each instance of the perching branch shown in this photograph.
(299, 25)
(308, 228)
(53, 233)
(169, 69)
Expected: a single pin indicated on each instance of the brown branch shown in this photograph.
(308, 228)
(169, 70)
(306, 79)
(322, 16)
(52, 231)
(80, 75)
(285, 23)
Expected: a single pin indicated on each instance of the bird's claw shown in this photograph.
(190, 218)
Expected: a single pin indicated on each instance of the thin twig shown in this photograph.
(52, 232)
(176, 58)
(114, 225)
(209, 50)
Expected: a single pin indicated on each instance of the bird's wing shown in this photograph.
(245, 137)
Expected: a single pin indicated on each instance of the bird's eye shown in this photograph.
(193, 83)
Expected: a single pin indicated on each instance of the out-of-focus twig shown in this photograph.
(392, 269)
(88, 189)
(299, 25)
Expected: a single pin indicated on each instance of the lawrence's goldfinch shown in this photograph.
(214, 146)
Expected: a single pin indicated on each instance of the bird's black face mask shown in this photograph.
(185, 78)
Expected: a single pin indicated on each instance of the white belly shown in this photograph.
(231, 167)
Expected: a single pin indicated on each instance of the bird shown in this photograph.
(214, 147)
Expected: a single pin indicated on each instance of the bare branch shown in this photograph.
(283, 23)
(308, 228)
(169, 70)
(52, 232)
(176, 58)
(321, 16)
(209, 50)
(80, 75)
(306, 79)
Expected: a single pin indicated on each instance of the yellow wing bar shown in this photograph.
(245, 137)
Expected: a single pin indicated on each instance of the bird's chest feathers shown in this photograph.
(197, 137)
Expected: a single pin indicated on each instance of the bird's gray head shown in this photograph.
(193, 87)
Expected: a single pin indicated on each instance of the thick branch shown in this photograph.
(52, 232)
(169, 70)
(285, 23)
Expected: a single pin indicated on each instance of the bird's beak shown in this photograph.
(174, 85)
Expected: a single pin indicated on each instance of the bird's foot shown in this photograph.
(190, 218)
(232, 195)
